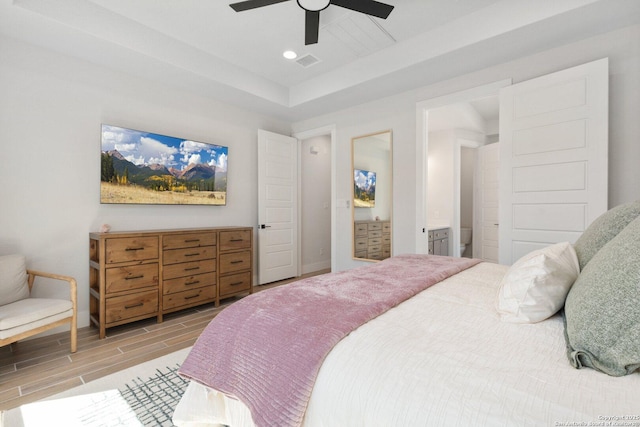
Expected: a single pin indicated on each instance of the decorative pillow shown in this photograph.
(604, 228)
(536, 286)
(13, 279)
(602, 313)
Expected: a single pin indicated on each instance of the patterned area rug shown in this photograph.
(154, 399)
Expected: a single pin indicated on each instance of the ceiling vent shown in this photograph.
(307, 60)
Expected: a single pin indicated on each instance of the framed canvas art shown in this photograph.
(147, 168)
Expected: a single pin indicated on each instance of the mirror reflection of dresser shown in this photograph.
(372, 240)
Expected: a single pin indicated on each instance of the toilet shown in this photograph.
(465, 238)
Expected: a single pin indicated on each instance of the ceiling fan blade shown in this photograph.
(311, 27)
(253, 4)
(370, 7)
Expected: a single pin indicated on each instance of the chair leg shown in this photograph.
(74, 334)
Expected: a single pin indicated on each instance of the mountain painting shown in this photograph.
(364, 188)
(147, 168)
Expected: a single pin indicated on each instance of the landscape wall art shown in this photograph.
(364, 188)
(147, 168)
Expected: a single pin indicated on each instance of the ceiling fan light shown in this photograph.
(314, 5)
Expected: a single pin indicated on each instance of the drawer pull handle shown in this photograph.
(196, 254)
(127, 307)
(192, 240)
(192, 296)
(134, 277)
(135, 249)
(237, 262)
(192, 268)
(235, 283)
(195, 282)
(236, 240)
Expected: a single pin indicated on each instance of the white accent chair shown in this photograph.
(22, 316)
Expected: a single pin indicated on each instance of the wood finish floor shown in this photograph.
(33, 369)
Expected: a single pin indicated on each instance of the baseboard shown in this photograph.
(316, 266)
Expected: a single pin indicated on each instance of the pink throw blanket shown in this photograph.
(266, 349)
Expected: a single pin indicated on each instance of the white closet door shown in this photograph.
(553, 157)
(277, 207)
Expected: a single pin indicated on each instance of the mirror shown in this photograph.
(372, 171)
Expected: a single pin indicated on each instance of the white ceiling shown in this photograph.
(206, 47)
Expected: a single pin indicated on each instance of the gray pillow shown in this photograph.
(602, 312)
(13, 279)
(604, 228)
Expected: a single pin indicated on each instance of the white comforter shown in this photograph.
(444, 358)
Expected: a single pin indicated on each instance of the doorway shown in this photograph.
(458, 119)
(316, 172)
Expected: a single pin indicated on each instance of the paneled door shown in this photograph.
(553, 158)
(485, 229)
(277, 207)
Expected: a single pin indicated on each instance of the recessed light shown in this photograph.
(289, 54)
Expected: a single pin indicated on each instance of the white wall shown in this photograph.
(398, 113)
(316, 203)
(440, 178)
(51, 108)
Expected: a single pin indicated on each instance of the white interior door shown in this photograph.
(277, 207)
(485, 230)
(553, 157)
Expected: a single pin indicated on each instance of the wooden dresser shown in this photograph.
(372, 240)
(135, 275)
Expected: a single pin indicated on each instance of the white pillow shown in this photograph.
(536, 286)
(13, 279)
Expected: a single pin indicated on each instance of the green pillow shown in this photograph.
(604, 228)
(602, 310)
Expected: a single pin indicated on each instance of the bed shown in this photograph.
(457, 353)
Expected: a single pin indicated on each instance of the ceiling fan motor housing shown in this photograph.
(314, 5)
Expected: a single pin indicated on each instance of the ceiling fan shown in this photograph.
(312, 10)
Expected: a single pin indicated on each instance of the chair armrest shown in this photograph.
(72, 282)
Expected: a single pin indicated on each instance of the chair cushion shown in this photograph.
(604, 228)
(602, 314)
(13, 279)
(31, 310)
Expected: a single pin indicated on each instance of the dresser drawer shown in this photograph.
(374, 242)
(386, 227)
(238, 239)
(131, 249)
(188, 269)
(189, 282)
(189, 297)
(361, 229)
(375, 226)
(386, 239)
(129, 306)
(374, 248)
(440, 234)
(178, 241)
(175, 256)
(361, 244)
(132, 277)
(375, 233)
(235, 261)
(235, 283)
